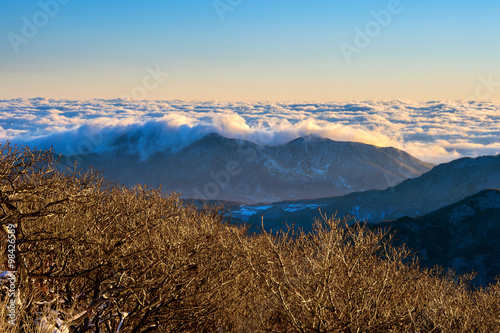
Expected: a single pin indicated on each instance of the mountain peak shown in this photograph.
(308, 139)
(214, 139)
(214, 136)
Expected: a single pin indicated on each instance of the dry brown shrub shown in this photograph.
(130, 258)
(101, 258)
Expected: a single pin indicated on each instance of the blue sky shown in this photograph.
(261, 50)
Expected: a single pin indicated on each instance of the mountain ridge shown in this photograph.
(462, 236)
(220, 168)
(443, 185)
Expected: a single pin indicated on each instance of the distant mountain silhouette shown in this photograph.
(445, 184)
(218, 168)
(464, 236)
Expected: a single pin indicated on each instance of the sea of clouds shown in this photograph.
(434, 131)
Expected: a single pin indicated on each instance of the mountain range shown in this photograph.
(444, 185)
(219, 168)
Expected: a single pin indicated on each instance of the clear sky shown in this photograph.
(321, 50)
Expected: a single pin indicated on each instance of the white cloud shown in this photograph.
(433, 131)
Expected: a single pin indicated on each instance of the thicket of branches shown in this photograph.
(92, 257)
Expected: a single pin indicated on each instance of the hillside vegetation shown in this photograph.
(93, 257)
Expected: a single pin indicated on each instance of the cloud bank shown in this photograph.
(434, 131)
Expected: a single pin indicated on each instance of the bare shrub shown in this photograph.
(347, 278)
(129, 258)
(99, 258)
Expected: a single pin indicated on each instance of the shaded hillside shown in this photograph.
(464, 236)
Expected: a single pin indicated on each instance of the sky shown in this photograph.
(250, 50)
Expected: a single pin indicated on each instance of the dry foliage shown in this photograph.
(99, 258)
